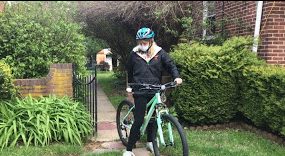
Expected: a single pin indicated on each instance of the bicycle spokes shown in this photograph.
(126, 121)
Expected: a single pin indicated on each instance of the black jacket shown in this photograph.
(139, 71)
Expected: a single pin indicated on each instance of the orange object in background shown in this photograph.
(2, 6)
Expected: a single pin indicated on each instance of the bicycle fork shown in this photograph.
(159, 129)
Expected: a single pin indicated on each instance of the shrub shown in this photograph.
(210, 73)
(41, 121)
(103, 66)
(201, 99)
(120, 80)
(7, 89)
(121, 76)
(37, 34)
(263, 101)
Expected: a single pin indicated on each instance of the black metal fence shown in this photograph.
(85, 91)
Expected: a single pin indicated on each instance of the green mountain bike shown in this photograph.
(168, 136)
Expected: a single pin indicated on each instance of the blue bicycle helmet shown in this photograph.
(144, 33)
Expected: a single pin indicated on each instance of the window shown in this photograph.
(209, 19)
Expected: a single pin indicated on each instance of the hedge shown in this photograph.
(7, 89)
(263, 96)
(210, 94)
(221, 82)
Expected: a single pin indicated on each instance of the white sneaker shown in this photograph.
(128, 153)
(149, 146)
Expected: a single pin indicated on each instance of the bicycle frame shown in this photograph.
(156, 100)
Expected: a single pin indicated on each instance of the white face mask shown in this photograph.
(143, 47)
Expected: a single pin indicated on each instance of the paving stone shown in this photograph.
(113, 145)
(105, 125)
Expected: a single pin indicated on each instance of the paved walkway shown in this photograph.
(107, 132)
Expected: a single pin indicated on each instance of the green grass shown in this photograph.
(109, 83)
(52, 150)
(228, 143)
(201, 143)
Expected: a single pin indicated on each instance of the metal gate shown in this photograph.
(85, 91)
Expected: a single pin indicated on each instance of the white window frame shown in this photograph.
(205, 17)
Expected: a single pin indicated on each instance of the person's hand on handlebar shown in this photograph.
(129, 89)
(178, 81)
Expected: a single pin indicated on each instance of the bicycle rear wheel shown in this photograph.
(124, 125)
(179, 144)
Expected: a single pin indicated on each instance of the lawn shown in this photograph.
(52, 150)
(201, 143)
(229, 142)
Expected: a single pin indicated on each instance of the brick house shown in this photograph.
(241, 18)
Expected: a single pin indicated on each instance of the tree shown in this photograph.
(93, 46)
(34, 35)
(117, 22)
(114, 34)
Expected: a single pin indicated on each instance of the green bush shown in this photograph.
(41, 121)
(121, 77)
(7, 89)
(34, 35)
(210, 73)
(263, 101)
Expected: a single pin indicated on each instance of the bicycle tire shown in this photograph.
(177, 125)
(118, 119)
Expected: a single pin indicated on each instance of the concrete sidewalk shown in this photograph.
(107, 130)
(106, 122)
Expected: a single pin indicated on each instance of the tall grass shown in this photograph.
(31, 121)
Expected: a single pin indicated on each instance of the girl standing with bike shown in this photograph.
(145, 65)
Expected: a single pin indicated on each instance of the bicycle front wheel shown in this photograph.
(124, 120)
(173, 136)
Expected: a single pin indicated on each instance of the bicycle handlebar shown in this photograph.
(145, 86)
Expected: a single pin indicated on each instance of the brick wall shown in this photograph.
(240, 20)
(239, 16)
(272, 47)
(57, 82)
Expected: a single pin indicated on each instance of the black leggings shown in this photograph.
(140, 108)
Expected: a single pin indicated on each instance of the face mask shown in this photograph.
(143, 48)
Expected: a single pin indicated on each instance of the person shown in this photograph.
(145, 65)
